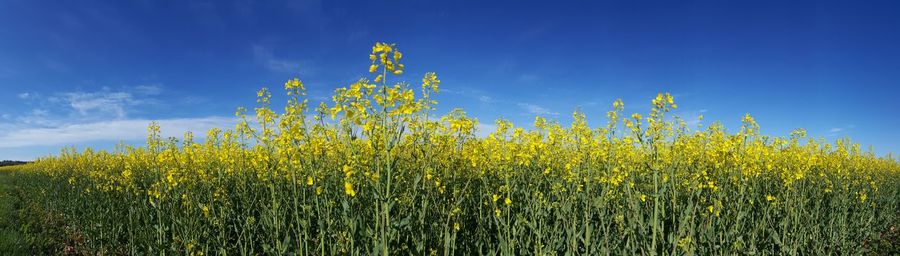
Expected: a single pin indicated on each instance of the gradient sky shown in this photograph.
(92, 73)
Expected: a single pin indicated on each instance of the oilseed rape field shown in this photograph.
(376, 171)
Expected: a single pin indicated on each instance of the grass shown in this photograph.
(11, 239)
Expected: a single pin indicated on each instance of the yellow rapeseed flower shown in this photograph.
(348, 189)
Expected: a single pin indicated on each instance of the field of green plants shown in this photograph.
(375, 173)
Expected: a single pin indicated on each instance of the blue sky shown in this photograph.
(92, 73)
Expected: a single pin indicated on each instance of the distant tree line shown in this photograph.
(10, 162)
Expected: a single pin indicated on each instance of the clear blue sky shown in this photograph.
(91, 73)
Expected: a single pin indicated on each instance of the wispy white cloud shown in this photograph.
(25, 95)
(102, 104)
(266, 57)
(836, 131)
(149, 90)
(85, 118)
(467, 92)
(451, 91)
(537, 110)
(115, 130)
(38, 117)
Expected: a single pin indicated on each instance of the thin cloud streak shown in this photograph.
(536, 110)
(266, 57)
(116, 130)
